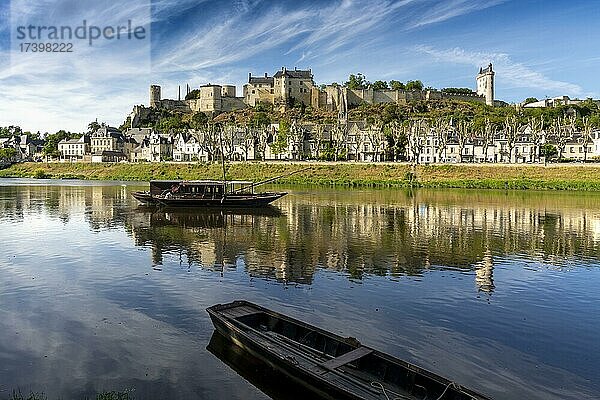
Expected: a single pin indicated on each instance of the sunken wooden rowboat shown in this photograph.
(329, 365)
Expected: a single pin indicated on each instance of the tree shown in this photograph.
(457, 90)
(398, 134)
(414, 85)
(530, 100)
(260, 120)
(548, 151)
(380, 85)
(198, 120)
(376, 139)
(318, 135)
(586, 136)
(511, 132)
(7, 155)
(339, 140)
(172, 123)
(537, 134)
(396, 85)
(441, 132)
(357, 81)
(247, 142)
(417, 136)
(52, 140)
(463, 133)
(10, 131)
(93, 126)
(296, 140)
(487, 137)
(562, 131)
(280, 144)
(194, 94)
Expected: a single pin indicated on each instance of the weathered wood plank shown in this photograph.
(347, 358)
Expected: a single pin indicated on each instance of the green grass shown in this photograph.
(477, 176)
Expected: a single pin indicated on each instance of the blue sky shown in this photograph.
(539, 49)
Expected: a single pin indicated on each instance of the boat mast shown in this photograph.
(223, 161)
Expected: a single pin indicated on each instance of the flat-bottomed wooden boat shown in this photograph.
(329, 365)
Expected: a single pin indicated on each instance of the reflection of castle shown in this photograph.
(357, 232)
(484, 273)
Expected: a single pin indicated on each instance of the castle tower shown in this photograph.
(154, 96)
(485, 84)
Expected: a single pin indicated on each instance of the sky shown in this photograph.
(539, 48)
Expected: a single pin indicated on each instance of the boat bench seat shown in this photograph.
(353, 355)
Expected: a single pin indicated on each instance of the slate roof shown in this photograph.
(294, 74)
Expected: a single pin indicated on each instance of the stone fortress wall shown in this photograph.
(286, 87)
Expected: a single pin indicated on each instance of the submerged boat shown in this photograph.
(331, 366)
(205, 193)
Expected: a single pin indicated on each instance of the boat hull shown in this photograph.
(341, 369)
(251, 200)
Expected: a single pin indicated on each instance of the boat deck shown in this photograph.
(336, 366)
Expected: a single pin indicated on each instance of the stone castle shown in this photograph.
(287, 87)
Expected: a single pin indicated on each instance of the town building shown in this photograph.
(74, 150)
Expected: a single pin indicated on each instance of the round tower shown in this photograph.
(485, 84)
(154, 96)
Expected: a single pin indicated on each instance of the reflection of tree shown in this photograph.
(358, 232)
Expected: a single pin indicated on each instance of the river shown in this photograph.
(496, 290)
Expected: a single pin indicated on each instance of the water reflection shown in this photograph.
(405, 236)
(354, 232)
(270, 381)
(497, 290)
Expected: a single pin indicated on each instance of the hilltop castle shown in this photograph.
(288, 87)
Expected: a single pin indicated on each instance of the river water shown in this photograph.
(496, 290)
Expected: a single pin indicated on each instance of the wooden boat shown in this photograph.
(331, 366)
(270, 381)
(205, 193)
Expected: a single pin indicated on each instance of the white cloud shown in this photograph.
(51, 93)
(513, 73)
(445, 10)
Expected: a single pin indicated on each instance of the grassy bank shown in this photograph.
(552, 177)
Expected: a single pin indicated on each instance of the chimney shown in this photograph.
(179, 93)
(249, 76)
(295, 69)
(266, 75)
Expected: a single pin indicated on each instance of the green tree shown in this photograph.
(194, 94)
(380, 85)
(457, 90)
(280, 143)
(414, 85)
(396, 85)
(548, 151)
(172, 123)
(9, 131)
(357, 81)
(7, 155)
(530, 100)
(52, 140)
(198, 120)
(260, 120)
(93, 126)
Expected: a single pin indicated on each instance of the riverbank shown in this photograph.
(480, 176)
